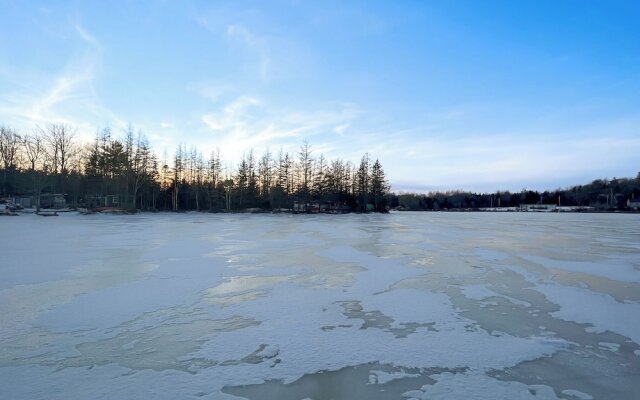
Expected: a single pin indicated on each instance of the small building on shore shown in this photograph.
(316, 207)
(538, 207)
(24, 201)
(52, 200)
(110, 200)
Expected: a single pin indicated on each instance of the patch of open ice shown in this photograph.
(609, 346)
(481, 292)
(576, 393)
(478, 292)
(600, 310)
(412, 306)
(619, 271)
(413, 394)
(382, 377)
(491, 255)
(475, 386)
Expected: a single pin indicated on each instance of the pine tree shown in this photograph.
(320, 183)
(305, 162)
(379, 186)
(242, 180)
(362, 183)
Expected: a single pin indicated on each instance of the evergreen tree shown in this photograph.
(305, 162)
(362, 181)
(379, 186)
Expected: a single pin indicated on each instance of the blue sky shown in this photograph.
(478, 95)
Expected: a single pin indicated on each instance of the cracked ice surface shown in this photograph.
(407, 305)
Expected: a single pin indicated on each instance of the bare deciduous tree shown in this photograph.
(9, 147)
(62, 148)
(34, 148)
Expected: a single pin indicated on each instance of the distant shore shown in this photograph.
(119, 211)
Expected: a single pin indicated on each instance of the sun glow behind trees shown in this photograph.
(125, 172)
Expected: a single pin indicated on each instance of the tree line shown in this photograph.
(122, 171)
(603, 194)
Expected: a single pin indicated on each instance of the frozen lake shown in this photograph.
(406, 305)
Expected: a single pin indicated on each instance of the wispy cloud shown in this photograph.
(517, 159)
(43, 105)
(257, 44)
(234, 117)
(340, 129)
(212, 91)
(244, 39)
(262, 51)
(67, 96)
(86, 36)
(248, 122)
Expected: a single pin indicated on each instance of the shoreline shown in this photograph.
(57, 212)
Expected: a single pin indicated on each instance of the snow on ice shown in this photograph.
(196, 305)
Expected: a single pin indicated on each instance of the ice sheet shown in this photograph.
(185, 305)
